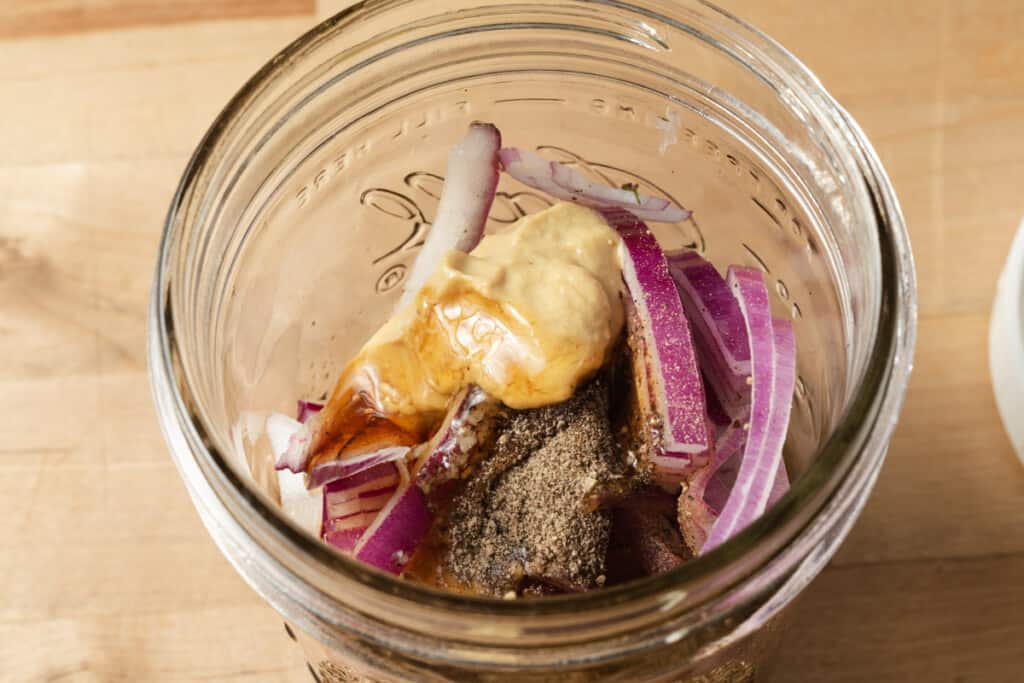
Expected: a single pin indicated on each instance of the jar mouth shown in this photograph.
(853, 451)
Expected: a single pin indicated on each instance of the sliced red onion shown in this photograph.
(782, 399)
(586, 191)
(773, 364)
(454, 444)
(719, 331)
(346, 539)
(562, 182)
(332, 470)
(669, 467)
(730, 443)
(470, 183)
(674, 383)
(307, 409)
(376, 499)
(696, 516)
(707, 489)
(533, 170)
(350, 505)
(398, 529)
(289, 440)
(716, 493)
(343, 512)
(673, 466)
(716, 413)
(379, 476)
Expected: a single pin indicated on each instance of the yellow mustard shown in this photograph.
(526, 316)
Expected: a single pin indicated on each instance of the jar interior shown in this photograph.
(316, 214)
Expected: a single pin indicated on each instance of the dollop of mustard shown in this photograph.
(527, 315)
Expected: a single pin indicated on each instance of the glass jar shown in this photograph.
(288, 240)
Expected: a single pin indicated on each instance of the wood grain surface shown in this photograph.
(106, 573)
(56, 17)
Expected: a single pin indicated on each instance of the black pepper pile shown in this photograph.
(520, 524)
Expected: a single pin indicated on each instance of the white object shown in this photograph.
(1006, 344)
(280, 429)
(304, 507)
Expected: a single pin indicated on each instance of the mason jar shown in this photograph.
(298, 217)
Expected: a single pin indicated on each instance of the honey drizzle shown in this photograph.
(353, 422)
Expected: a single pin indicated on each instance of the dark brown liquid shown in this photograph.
(427, 564)
(353, 421)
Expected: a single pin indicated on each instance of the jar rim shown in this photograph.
(865, 427)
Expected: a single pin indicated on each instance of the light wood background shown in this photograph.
(105, 571)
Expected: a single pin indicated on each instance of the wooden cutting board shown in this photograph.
(107, 574)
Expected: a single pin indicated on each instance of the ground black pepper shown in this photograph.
(521, 523)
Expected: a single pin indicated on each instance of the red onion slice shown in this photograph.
(578, 185)
(350, 505)
(346, 539)
(533, 170)
(716, 413)
(773, 364)
(719, 331)
(343, 490)
(307, 409)
(332, 470)
(731, 442)
(470, 182)
(707, 489)
(289, 441)
(782, 401)
(588, 192)
(716, 493)
(562, 182)
(452, 448)
(398, 529)
(674, 383)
